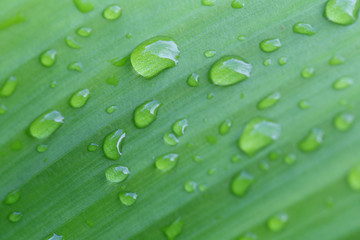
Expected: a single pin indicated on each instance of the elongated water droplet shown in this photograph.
(277, 222)
(344, 121)
(166, 162)
(46, 124)
(344, 12)
(75, 66)
(270, 45)
(237, 4)
(308, 72)
(353, 178)
(174, 229)
(283, 61)
(241, 38)
(180, 126)
(304, 104)
(154, 55)
(72, 43)
(248, 236)
(336, 60)
(128, 198)
(117, 173)
(84, 6)
(229, 70)
(269, 101)
(304, 28)
(48, 58)
(190, 186)
(290, 158)
(342, 83)
(119, 61)
(54, 237)
(193, 80)
(208, 2)
(80, 98)
(225, 126)
(146, 113)
(241, 183)
(12, 197)
(259, 133)
(15, 217)
(111, 109)
(170, 139)
(9, 86)
(312, 141)
(84, 31)
(92, 147)
(41, 148)
(113, 144)
(209, 53)
(112, 12)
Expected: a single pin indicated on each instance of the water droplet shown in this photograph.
(154, 55)
(269, 101)
(248, 236)
(92, 147)
(72, 43)
(179, 127)
(259, 133)
(270, 45)
(209, 53)
(113, 144)
(290, 158)
(12, 197)
(344, 12)
(283, 61)
(166, 162)
(241, 38)
(353, 178)
(15, 217)
(229, 70)
(193, 80)
(336, 60)
(211, 171)
(264, 165)
(54, 237)
(174, 229)
(84, 6)
(129, 35)
(236, 158)
(304, 28)
(211, 139)
(117, 173)
(48, 58)
(342, 83)
(46, 124)
(208, 2)
(274, 155)
(146, 113)
(119, 61)
(112, 80)
(3, 109)
(53, 84)
(308, 72)
(198, 159)
(312, 141)
(112, 12)
(170, 139)
(128, 198)
(76, 66)
(190, 186)
(304, 104)
(9, 86)
(277, 222)
(241, 183)
(237, 4)
(267, 62)
(344, 121)
(84, 31)
(202, 188)
(210, 95)
(80, 98)
(225, 126)
(41, 148)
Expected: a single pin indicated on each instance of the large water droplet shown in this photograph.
(15, 217)
(117, 174)
(84, 31)
(179, 127)
(46, 124)
(312, 141)
(154, 55)
(80, 98)
(270, 45)
(170, 139)
(112, 12)
(229, 70)
(344, 121)
(9, 86)
(342, 12)
(84, 6)
(241, 183)
(128, 198)
(304, 28)
(166, 162)
(193, 80)
(113, 144)
(353, 178)
(277, 222)
(238, 4)
(342, 83)
(12, 197)
(259, 133)
(72, 43)
(225, 126)
(174, 229)
(269, 101)
(146, 113)
(48, 58)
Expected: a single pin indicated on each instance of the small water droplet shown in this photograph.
(111, 109)
(211, 139)
(128, 198)
(277, 222)
(84, 31)
(312, 141)
(241, 38)
(9, 86)
(72, 43)
(198, 159)
(344, 12)
(166, 162)
(304, 28)
(229, 70)
(190, 186)
(113, 144)
(237, 4)
(174, 229)
(236, 158)
(241, 183)
(267, 62)
(269, 101)
(92, 147)
(75, 66)
(211, 171)
(209, 53)
(248, 236)
(154, 55)
(258, 133)
(84, 6)
(225, 127)
(283, 61)
(308, 72)
(15, 217)
(41, 148)
(274, 155)
(343, 83)
(119, 61)
(344, 121)
(208, 2)
(48, 58)
(112, 12)
(146, 113)
(264, 165)
(304, 104)
(210, 95)
(336, 60)
(170, 139)
(270, 45)
(53, 84)
(180, 126)
(290, 158)
(128, 35)
(3, 109)
(80, 98)
(12, 197)
(46, 124)
(353, 178)
(193, 80)
(117, 173)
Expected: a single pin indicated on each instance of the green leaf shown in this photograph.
(62, 190)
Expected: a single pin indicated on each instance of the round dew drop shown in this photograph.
(54, 236)
(241, 183)
(277, 222)
(146, 113)
(170, 139)
(304, 104)
(154, 55)
(267, 62)
(312, 141)
(353, 178)
(304, 28)
(3, 109)
(112, 12)
(225, 127)
(15, 217)
(274, 155)
(48, 58)
(9, 86)
(84, 31)
(84, 6)
(113, 144)
(344, 12)
(46, 124)
(290, 158)
(270, 45)
(344, 121)
(116, 174)
(111, 109)
(179, 127)
(80, 98)
(237, 4)
(166, 162)
(210, 53)
(193, 80)
(128, 198)
(190, 186)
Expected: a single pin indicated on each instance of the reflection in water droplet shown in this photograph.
(84, 31)
(48, 58)
(193, 80)
(237, 4)
(113, 144)
(80, 98)
(111, 109)
(344, 12)
(290, 158)
(190, 186)
(180, 126)
(75, 66)
(128, 198)
(92, 147)
(336, 60)
(208, 2)
(170, 139)
(209, 53)
(15, 217)
(225, 126)
(112, 12)
(12, 197)
(308, 72)
(119, 61)
(267, 62)
(166, 162)
(270, 45)
(304, 104)
(41, 148)
(3, 109)
(283, 61)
